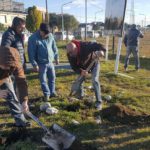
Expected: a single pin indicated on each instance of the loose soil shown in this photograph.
(122, 114)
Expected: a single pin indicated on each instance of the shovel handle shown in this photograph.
(37, 121)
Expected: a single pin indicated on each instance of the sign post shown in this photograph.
(107, 48)
(118, 55)
(114, 20)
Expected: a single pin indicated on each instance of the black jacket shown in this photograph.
(11, 39)
(131, 38)
(87, 50)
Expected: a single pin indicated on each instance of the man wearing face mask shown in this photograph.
(42, 51)
(10, 64)
(13, 37)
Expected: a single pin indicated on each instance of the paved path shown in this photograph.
(60, 66)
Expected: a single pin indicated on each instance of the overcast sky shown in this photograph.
(96, 9)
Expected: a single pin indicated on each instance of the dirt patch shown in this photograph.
(74, 107)
(122, 114)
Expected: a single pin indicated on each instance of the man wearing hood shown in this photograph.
(131, 42)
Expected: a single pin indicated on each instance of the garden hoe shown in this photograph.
(56, 138)
(77, 83)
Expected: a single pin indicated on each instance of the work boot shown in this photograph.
(53, 95)
(98, 105)
(125, 69)
(46, 98)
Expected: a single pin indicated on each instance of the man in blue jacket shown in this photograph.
(42, 51)
(131, 42)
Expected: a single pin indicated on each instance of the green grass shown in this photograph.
(134, 93)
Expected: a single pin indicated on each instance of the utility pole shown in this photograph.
(113, 45)
(46, 15)
(132, 14)
(85, 19)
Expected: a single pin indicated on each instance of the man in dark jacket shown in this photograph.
(80, 55)
(13, 37)
(131, 42)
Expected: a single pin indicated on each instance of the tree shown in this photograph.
(96, 26)
(34, 19)
(148, 26)
(53, 21)
(70, 22)
(2, 27)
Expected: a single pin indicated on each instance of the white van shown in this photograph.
(59, 36)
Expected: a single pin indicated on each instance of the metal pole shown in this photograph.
(62, 22)
(46, 18)
(85, 20)
(62, 17)
(113, 45)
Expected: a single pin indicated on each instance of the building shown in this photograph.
(10, 9)
(11, 5)
(6, 17)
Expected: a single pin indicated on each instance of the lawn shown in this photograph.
(133, 93)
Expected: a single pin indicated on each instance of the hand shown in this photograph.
(36, 69)
(57, 62)
(25, 106)
(3, 93)
(84, 72)
(99, 53)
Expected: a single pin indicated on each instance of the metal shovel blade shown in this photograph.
(57, 138)
(60, 137)
(76, 85)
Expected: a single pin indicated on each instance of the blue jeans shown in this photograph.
(47, 78)
(96, 84)
(135, 52)
(13, 103)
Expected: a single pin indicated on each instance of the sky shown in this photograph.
(95, 9)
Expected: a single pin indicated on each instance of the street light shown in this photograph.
(63, 17)
(85, 19)
(144, 19)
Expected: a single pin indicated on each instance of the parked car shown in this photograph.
(1, 33)
(59, 36)
(92, 34)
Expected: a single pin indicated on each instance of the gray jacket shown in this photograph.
(131, 38)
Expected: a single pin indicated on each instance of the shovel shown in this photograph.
(57, 138)
(77, 83)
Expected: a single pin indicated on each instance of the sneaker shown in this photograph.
(23, 124)
(46, 98)
(98, 105)
(137, 69)
(53, 95)
(125, 69)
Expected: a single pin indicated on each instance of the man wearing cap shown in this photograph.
(10, 63)
(42, 51)
(131, 42)
(80, 55)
